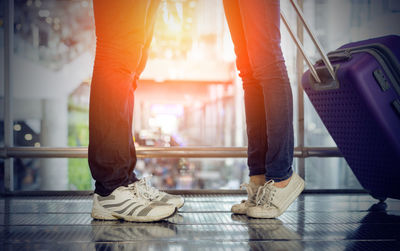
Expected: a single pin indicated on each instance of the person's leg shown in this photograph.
(120, 31)
(253, 96)
(121, 38)
(254, 109)
(152, 193)
(261, 20)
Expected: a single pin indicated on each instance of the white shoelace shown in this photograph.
(145, 190)
(132, 189)
(265, 194)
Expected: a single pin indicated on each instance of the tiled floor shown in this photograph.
(313, 222)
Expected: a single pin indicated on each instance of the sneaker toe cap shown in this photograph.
(239, 209)
(177, 201)
(161, 210)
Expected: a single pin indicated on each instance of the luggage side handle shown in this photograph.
(325, 59)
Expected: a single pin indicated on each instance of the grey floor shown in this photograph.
(313, 222)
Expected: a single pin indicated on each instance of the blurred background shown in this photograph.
(189, 94)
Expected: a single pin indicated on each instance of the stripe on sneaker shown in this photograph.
(116, 205)
(134, 209)
(145, 211)
(125, 209)
(157, 203)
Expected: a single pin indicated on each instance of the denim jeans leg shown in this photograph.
(261, 19)
(253, 93)
(121, 38)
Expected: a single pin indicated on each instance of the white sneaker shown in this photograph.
(272, 201)
(241, 208)
(153, 194)
(125, 203)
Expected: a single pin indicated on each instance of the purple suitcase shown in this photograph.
(361, 110)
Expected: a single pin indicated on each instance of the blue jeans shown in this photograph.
(255, 31)
(124, 30)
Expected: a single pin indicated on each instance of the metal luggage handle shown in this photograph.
(314, 40)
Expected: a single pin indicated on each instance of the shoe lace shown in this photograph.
(131, 188)
(265, 194)
(144, 189)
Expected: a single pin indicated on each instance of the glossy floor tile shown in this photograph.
(312, 222)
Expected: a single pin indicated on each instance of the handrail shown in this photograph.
(313, 39)
(299, 45)
(160, 152)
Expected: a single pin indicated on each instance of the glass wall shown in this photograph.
(189, 94)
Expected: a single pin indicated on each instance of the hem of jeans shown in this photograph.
(108, 191)
(257, 172)
(278, 179)
(102, 194)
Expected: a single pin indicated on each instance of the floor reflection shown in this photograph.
(370, 230)
(315, 222)
(269, 234)
(115, 235)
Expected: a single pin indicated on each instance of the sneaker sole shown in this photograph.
(239, 213)
(101, 217)
(146, 218)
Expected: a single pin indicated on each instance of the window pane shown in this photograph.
(166, 173)
(189, 93)
(173, 173)
(329, 173)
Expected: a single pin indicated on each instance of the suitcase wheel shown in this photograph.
(381, 198)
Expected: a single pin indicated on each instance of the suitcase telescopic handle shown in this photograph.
(313, 39)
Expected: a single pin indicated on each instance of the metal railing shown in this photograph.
(160, 152)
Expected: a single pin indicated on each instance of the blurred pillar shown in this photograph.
(8, 93)
(300, 95)
(54, 172)
(240, 127)
(228, 122)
